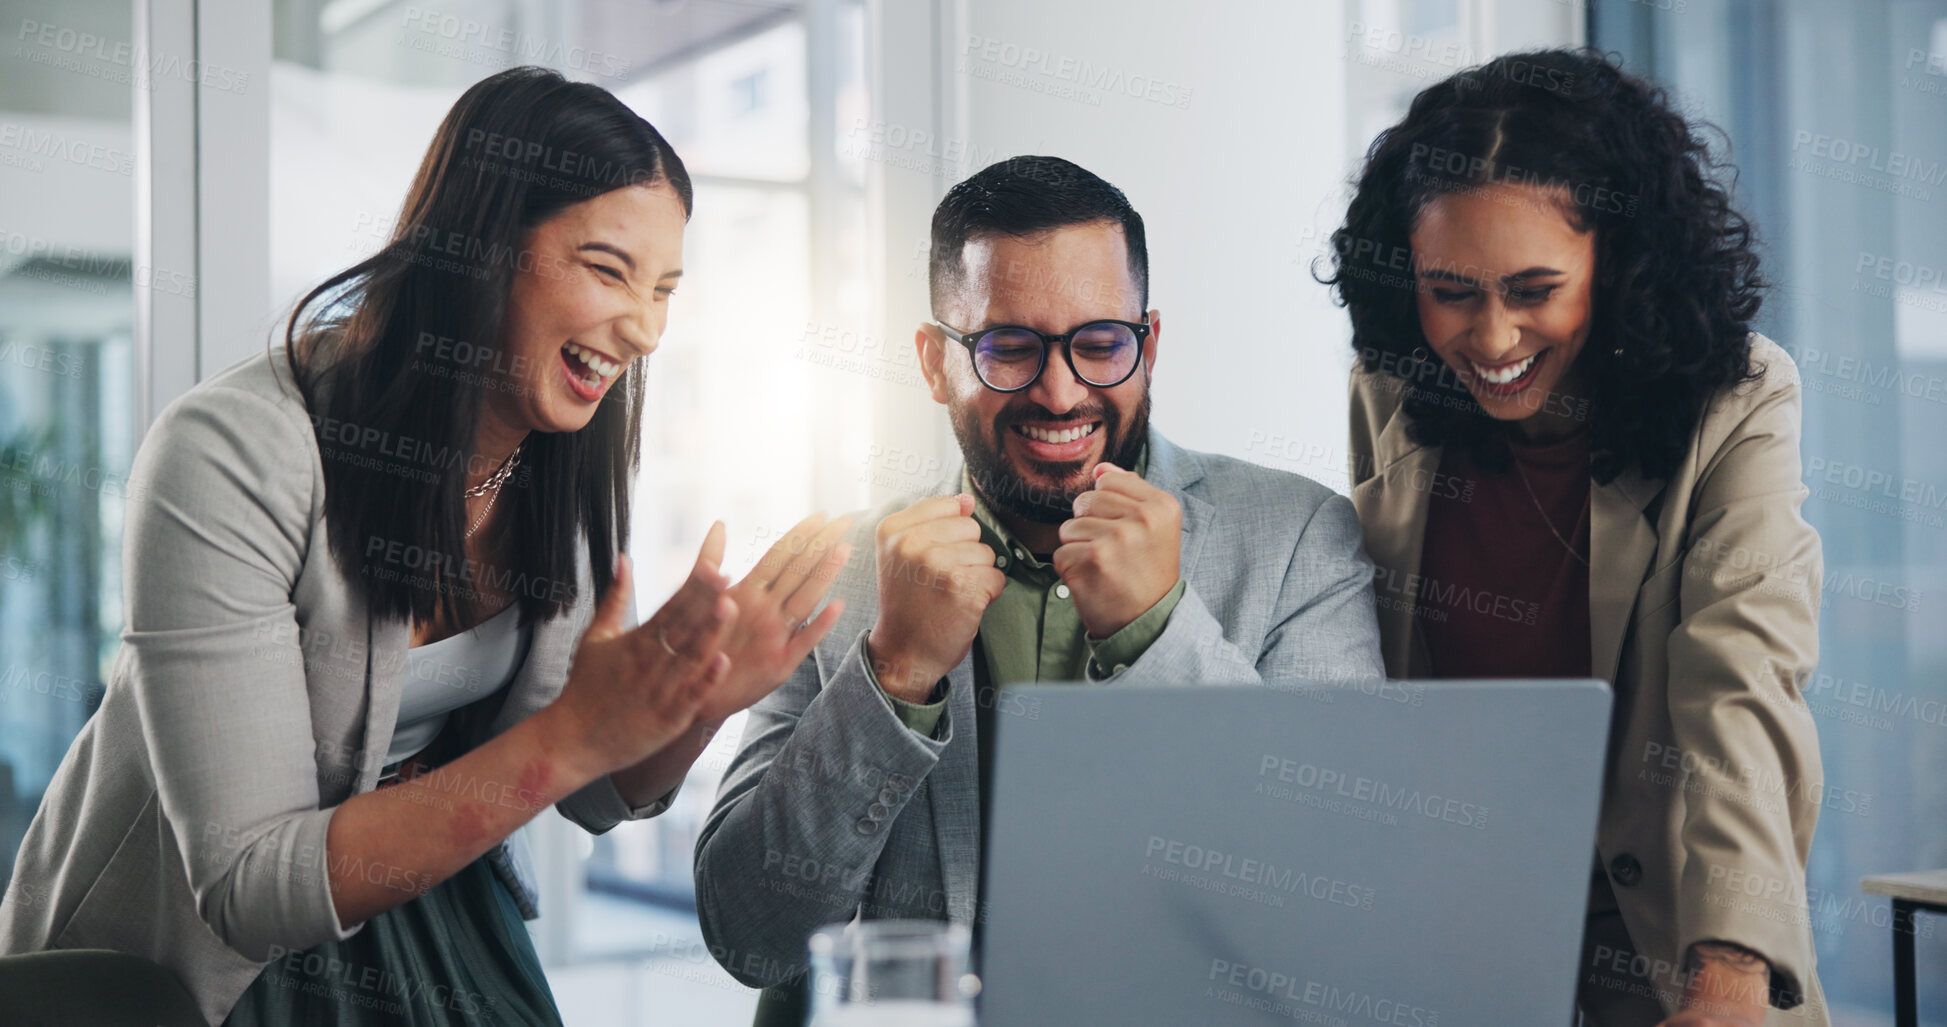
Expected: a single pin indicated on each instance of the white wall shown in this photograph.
(1231, 151)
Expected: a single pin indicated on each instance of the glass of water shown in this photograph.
(895, 973)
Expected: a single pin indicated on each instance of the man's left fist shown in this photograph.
(1120, 552)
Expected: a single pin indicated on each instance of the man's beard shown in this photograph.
(1003, 486)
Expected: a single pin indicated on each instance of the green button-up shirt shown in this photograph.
(1033, 632)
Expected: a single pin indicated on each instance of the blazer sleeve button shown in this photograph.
(1624, 870)
(865, 826)
(878, 811)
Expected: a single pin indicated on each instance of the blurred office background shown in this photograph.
(175, 173)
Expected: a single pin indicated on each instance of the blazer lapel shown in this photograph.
(1393, 505)
(1621, 544)
(1175, 470)
(385, 669)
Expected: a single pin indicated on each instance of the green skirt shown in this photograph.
(459, 954)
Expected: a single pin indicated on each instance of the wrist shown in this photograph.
(565, 743)
(1727, 980)
(1103, 629)
(1119, 619)
(898, 676)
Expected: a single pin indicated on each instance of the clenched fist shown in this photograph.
(935, 580)
(1120, 552)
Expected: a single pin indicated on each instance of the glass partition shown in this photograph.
(66, 368)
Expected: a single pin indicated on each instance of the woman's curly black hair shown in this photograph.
(1677, 283)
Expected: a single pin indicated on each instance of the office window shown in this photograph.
(66, 372)
(748, 92)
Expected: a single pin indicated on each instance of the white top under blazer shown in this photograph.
(444, 675)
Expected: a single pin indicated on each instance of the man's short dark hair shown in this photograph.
(1021, 196)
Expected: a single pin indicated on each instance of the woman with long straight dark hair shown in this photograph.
(377, 615)
(1573, 457)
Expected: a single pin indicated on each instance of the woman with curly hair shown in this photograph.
(1572, 457)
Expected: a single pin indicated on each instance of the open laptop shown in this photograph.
(1406, 853)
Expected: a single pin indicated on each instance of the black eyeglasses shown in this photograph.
(1009, 358)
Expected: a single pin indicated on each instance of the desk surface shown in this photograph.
(1928, 886)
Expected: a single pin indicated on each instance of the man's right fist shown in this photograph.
(935, 580)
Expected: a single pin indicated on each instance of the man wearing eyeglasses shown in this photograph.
(1075, 544)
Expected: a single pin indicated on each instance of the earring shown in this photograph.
(1422, 354)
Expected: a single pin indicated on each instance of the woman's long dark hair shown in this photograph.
(397, 352)
(1677, 283)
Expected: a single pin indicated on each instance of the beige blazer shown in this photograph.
(252, 693)
(1703, 610)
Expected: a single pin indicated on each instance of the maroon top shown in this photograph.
(1499, 595)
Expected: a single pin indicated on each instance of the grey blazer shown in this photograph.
(833, 808)
(252, 694)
